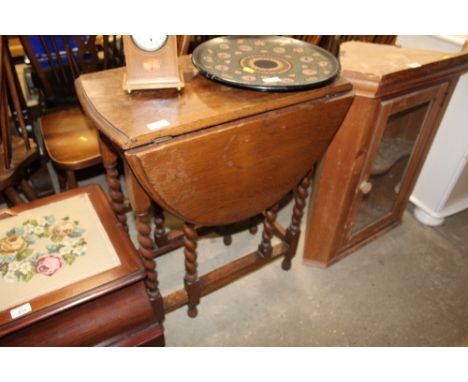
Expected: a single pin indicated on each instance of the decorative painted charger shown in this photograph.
(267, 63)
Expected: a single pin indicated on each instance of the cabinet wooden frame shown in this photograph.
(387, 80)
(433, 96)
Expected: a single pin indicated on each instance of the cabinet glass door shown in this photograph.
(388, 169)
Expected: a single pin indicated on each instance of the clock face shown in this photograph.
(149, 42)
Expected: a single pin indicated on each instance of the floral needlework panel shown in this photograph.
(50, 247)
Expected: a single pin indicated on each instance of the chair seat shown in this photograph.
(21, 157)
(70, 139)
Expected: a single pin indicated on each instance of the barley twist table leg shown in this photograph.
(293, 231)
(192, 285)
(253, 225)
(115, 193)
(146, 251)
(109, 160)
(160, 236)
(141, 204)
(265, 248)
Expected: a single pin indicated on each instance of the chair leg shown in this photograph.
(191, 281)
(71, 180)
(28, 190)
(66, 178)
(13, 196)
(61, 179)
(265, 248)
(293, 232)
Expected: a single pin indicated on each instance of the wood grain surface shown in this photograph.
(236, 170)
(126, 118)
(70, 138)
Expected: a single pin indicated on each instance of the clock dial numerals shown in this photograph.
(149, 42)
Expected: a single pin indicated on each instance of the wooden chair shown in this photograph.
(17, 150)
(312, 39)
(183, 44)
(69, 137)
(70, 276)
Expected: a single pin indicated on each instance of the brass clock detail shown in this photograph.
(151, 62)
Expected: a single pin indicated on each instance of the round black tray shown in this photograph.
(267, 63)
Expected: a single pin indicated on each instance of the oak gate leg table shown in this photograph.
(211, 155)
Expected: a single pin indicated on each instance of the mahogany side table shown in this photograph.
(211, 155)
(371, 166)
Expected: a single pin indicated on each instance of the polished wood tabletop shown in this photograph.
(132, 120)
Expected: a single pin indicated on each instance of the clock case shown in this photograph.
(151, 70)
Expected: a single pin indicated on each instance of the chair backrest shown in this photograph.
(58, 60)
(183, 44)
(12, 119)
(312, 39)
(328, 42)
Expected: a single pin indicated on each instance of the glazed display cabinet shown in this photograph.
(369, 171)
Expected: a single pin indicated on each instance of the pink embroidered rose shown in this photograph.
(12, 244)
(63, 228)
(48, 265)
